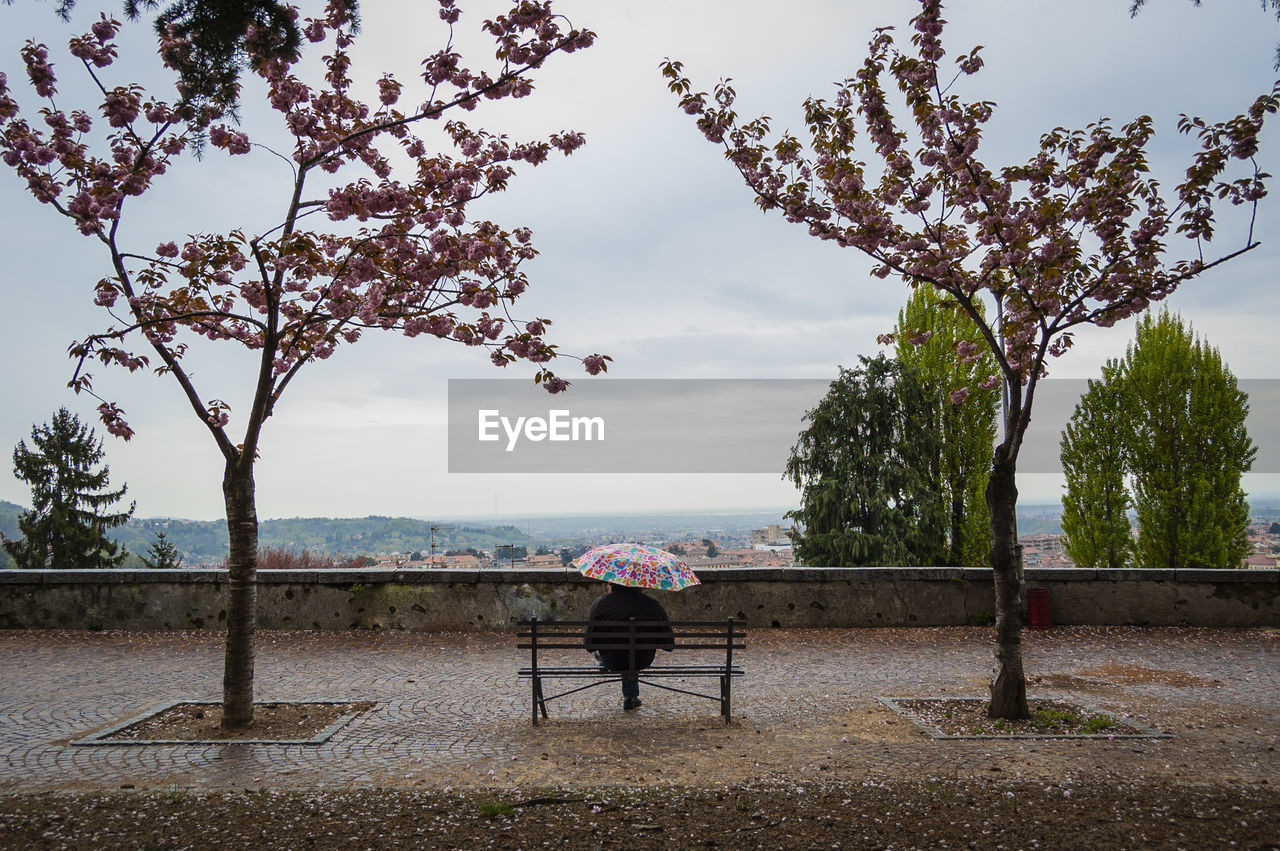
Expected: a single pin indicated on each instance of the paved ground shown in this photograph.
(451, 714)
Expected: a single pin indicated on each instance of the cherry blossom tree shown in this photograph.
(390, 247)
(1077, 235)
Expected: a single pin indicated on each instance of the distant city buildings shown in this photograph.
(1044, 550)
(772, 536)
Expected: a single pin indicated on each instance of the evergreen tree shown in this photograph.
(1187, 448)
(1095, 520)
(66, 527)
(164, 554)
(944, 348)
(868, 469)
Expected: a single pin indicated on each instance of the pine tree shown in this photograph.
(949, 357)
(1187, 448)
(1095, 521)
(164, 554)
(66, 527)
(868, 469)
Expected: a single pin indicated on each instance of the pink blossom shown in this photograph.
(388, 91)
(233, 141)
(959, 395)
(39, 71)
(121, 106)
(594, 364)
(113, 418)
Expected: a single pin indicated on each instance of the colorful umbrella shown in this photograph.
(637, 566)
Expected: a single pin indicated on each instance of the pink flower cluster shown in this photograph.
(95, 48)
(232, 141)
(59, 162)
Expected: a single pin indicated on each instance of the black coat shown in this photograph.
(622, 604)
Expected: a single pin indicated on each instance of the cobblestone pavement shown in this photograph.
(450, 711)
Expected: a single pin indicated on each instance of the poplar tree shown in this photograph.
(67, 525)
(943, 347)
(1187, 447)
(1095, 519)
(868, 469)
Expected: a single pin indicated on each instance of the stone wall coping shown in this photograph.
(505, 576)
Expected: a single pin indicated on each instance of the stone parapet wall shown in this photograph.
(453, 600)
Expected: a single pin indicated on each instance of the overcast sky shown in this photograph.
(651, 249)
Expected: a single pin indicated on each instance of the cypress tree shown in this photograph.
(868, 469)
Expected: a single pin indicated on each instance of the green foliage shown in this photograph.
(493, 809)
(1095, 520)
(509, 553)
(67, 525)
(1173, 413)
(163, 554)
(955, 358)
(1188, 448)
(1097, 724)
(1053, 718)
(867, 467)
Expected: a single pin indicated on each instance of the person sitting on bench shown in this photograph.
(619, 604)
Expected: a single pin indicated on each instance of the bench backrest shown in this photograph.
(630, 634)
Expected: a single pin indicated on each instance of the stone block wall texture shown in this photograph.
(463, 600)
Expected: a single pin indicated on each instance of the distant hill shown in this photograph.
(206, 541)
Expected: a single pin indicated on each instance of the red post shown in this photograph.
(1038, 608)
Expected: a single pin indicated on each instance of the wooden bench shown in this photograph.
(714, 639)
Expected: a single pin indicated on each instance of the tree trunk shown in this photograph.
(959, 488)
(1009, 688)
(242, 596)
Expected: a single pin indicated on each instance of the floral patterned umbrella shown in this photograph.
(637, 566)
